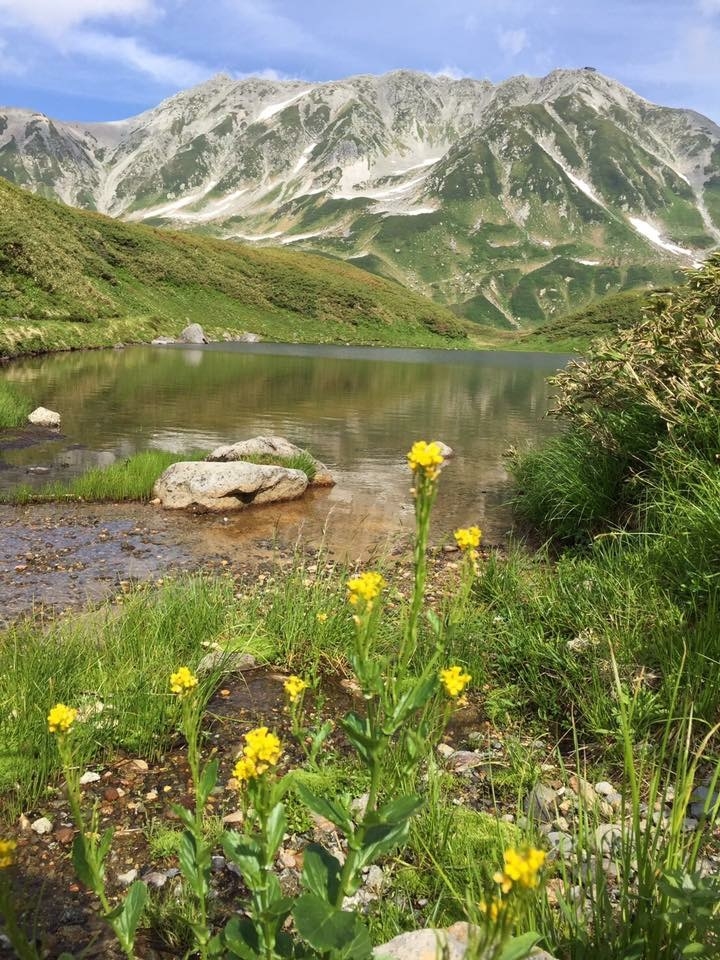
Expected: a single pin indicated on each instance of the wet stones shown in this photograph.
(227, 486)
(42, 417)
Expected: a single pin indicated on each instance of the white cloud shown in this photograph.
(709, 7)
(513, 42)
(273, 29)
(50, 16)
(455, 73)
(10, 65)
(164, 68)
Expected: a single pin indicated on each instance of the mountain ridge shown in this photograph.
(510, 202)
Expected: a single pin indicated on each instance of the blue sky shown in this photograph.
(108, 59)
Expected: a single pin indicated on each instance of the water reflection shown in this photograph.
(358, 409)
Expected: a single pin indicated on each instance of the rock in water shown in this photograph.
(227, 486)
(42, 417)
(193, 334)
(269, 447)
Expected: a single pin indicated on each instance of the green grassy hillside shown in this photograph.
(72, 279)
(574, 331)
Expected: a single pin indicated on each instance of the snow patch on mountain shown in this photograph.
(271, 109)
(652, 234)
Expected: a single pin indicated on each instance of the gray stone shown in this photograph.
(463, 761)
(227, 486)
(217, 863)
(226, 661)
(604, 788)
(445, 750)
(249, 338)
(42, 417)
(561, 841)
(446, 452)
(155, 879)
(42, 825)
(89, 777)
(541, 803)
(161, 341)
(449, 944)
(127, 878)
(193, 333)
(608, 837)
(269, 447)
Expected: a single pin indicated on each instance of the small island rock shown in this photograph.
(269, 446)
(227, 486)
(42, 417)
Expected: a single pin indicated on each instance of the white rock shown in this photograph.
(193, 333)
(226, 661)
(42, 825)
(604, 788)
(269, 447)
(446, 452)
(227, 486)
(42, 417)
(89, 777)
(127, 878)
(450, 944)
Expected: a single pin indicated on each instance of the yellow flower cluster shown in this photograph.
(425, 458)
(521, 868)
(182, 681)
(366, 587)
(61, 718)
(492, 909)
(468, 538)
(294, 686)
(454, 680)
(262, 750)
(321, 617)
(7, 849)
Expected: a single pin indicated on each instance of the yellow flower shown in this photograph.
(182, 681)
(522, 867)
(493, 909)
(261, 745)
(61, 718)
(245, 769)
(366, 587)
(321, 617)
(7, 849)
(294, 686)
(454, 680)
(425, 458)
(468, 538)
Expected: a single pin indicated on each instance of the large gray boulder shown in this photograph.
(42, 417)
(269, 446)
(227, 486)
(193, 334)
(450, 944)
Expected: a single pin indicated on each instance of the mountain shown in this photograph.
(69, 278)
(512, 202)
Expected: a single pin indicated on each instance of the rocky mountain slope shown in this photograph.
(512, 202)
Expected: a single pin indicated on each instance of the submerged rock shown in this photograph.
(193, 333)
(269, 447)
(227, 486)
(42, 417)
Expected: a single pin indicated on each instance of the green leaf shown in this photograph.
(80, 863)
(184, 816)
(275, 827)
(414, 698)
(359, 735)
(325, 808)
(103, 847)
(326, 928)
(401, 809)
(381, 839)
(519, 947)
(240, 937)
(246, 855)
(321, 873)
(132, 909)
(193, 863)
(208, 779)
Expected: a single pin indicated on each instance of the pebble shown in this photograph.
(604, 788)
(541, 803)
(217, 863)
(155, 879)
(42, 825)
(110, 794)
(127, 878)
(89, 777)
(445, 750)
(608, 836)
